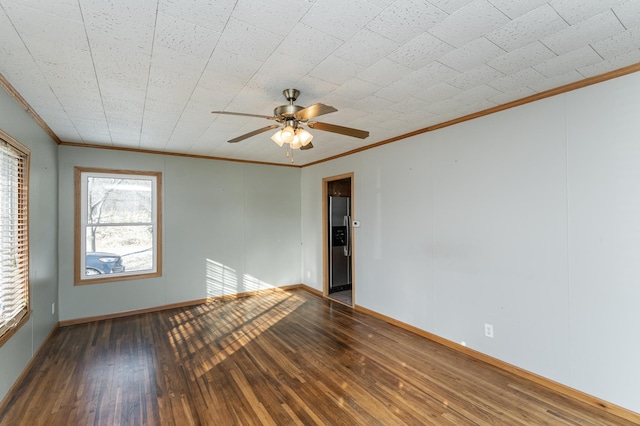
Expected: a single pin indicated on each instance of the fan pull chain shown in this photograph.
(289, 154)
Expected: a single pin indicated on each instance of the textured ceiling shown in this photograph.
(146, 74)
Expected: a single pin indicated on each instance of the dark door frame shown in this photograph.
(325, 234)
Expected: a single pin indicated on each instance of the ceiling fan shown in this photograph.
(292, 118)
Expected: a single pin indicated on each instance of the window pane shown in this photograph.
(117, 230)
(111, 200)
(114, 249)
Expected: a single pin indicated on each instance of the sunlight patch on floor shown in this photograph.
(192, 331)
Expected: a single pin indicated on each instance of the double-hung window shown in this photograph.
(118, 225)
(14, 221)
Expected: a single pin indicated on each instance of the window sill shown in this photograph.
(115, 278)
(6, 336)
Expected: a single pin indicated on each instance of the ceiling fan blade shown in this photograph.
(255, 132)
(307, 146)
(242, 114)
(314, 111)
(348, 131)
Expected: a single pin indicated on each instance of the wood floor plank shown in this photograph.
(272, 359)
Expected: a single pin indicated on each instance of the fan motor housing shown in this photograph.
(286, 110)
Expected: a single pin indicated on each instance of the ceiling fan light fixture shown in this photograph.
(295, 143)
(287, 134)
(293, 117)
(303, 136)
(277, 138)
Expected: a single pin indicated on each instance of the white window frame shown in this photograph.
(82, 176)
(15, 245)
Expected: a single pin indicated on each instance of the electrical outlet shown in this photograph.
(488, 330)
(53, 308)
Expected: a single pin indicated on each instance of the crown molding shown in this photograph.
(538, 96)
(24, 104)
(533, 98)
(173, 154)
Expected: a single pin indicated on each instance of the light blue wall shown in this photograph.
(528, 219)
(43, 254)
(228, 227)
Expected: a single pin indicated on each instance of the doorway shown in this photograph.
(337, 217)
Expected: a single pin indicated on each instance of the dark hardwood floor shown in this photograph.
(279, 358)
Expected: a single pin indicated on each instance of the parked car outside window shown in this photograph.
(97, 263)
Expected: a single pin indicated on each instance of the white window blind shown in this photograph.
(14, 257)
